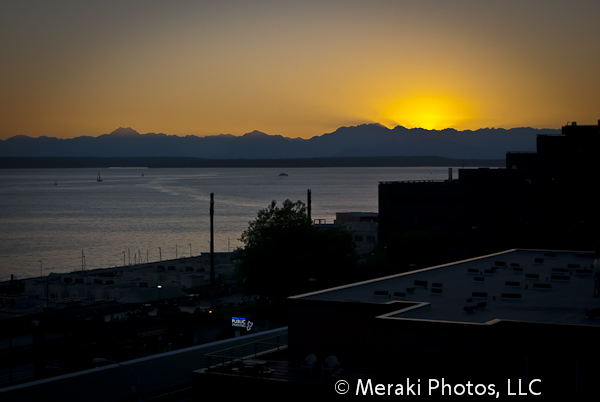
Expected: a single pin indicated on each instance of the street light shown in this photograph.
(159, 288)
(159, 254)
(190, 249)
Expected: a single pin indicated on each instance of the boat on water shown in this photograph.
(99, 179)
(283, 174)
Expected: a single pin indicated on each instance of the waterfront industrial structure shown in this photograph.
(137, 283)
(56, 324)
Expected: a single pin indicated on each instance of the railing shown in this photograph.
(227, 356)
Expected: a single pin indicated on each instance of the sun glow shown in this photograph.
(428, 112)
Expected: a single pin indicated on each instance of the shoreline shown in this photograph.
(10, 162)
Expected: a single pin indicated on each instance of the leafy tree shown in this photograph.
(284, 254)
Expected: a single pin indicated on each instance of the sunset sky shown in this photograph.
(295, 68)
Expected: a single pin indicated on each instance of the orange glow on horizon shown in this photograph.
(428, 112)
(296, 69)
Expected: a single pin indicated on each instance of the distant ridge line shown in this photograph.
(366, 140)
(187, 162)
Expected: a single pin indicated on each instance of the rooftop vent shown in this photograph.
(560, 277)
(472, 307)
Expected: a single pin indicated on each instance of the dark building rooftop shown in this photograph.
(519, 315)
(526, 285)
(530, 314)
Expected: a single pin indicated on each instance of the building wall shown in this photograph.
(339, 328)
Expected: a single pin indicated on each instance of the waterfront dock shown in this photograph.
(137, 284)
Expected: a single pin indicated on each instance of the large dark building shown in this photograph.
(540, 199)
(514, 323)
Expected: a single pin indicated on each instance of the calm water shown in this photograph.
(128, 216)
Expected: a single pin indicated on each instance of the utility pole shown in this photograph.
(308, 207)
(212, 244)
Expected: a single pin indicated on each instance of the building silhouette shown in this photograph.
(541, 199)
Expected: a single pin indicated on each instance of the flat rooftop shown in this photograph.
(517, 285)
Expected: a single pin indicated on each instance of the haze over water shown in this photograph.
(128, 215)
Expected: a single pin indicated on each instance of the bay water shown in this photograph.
(63, 220)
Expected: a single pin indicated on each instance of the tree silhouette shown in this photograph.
(284, 254)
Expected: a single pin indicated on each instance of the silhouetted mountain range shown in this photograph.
(367, 140)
